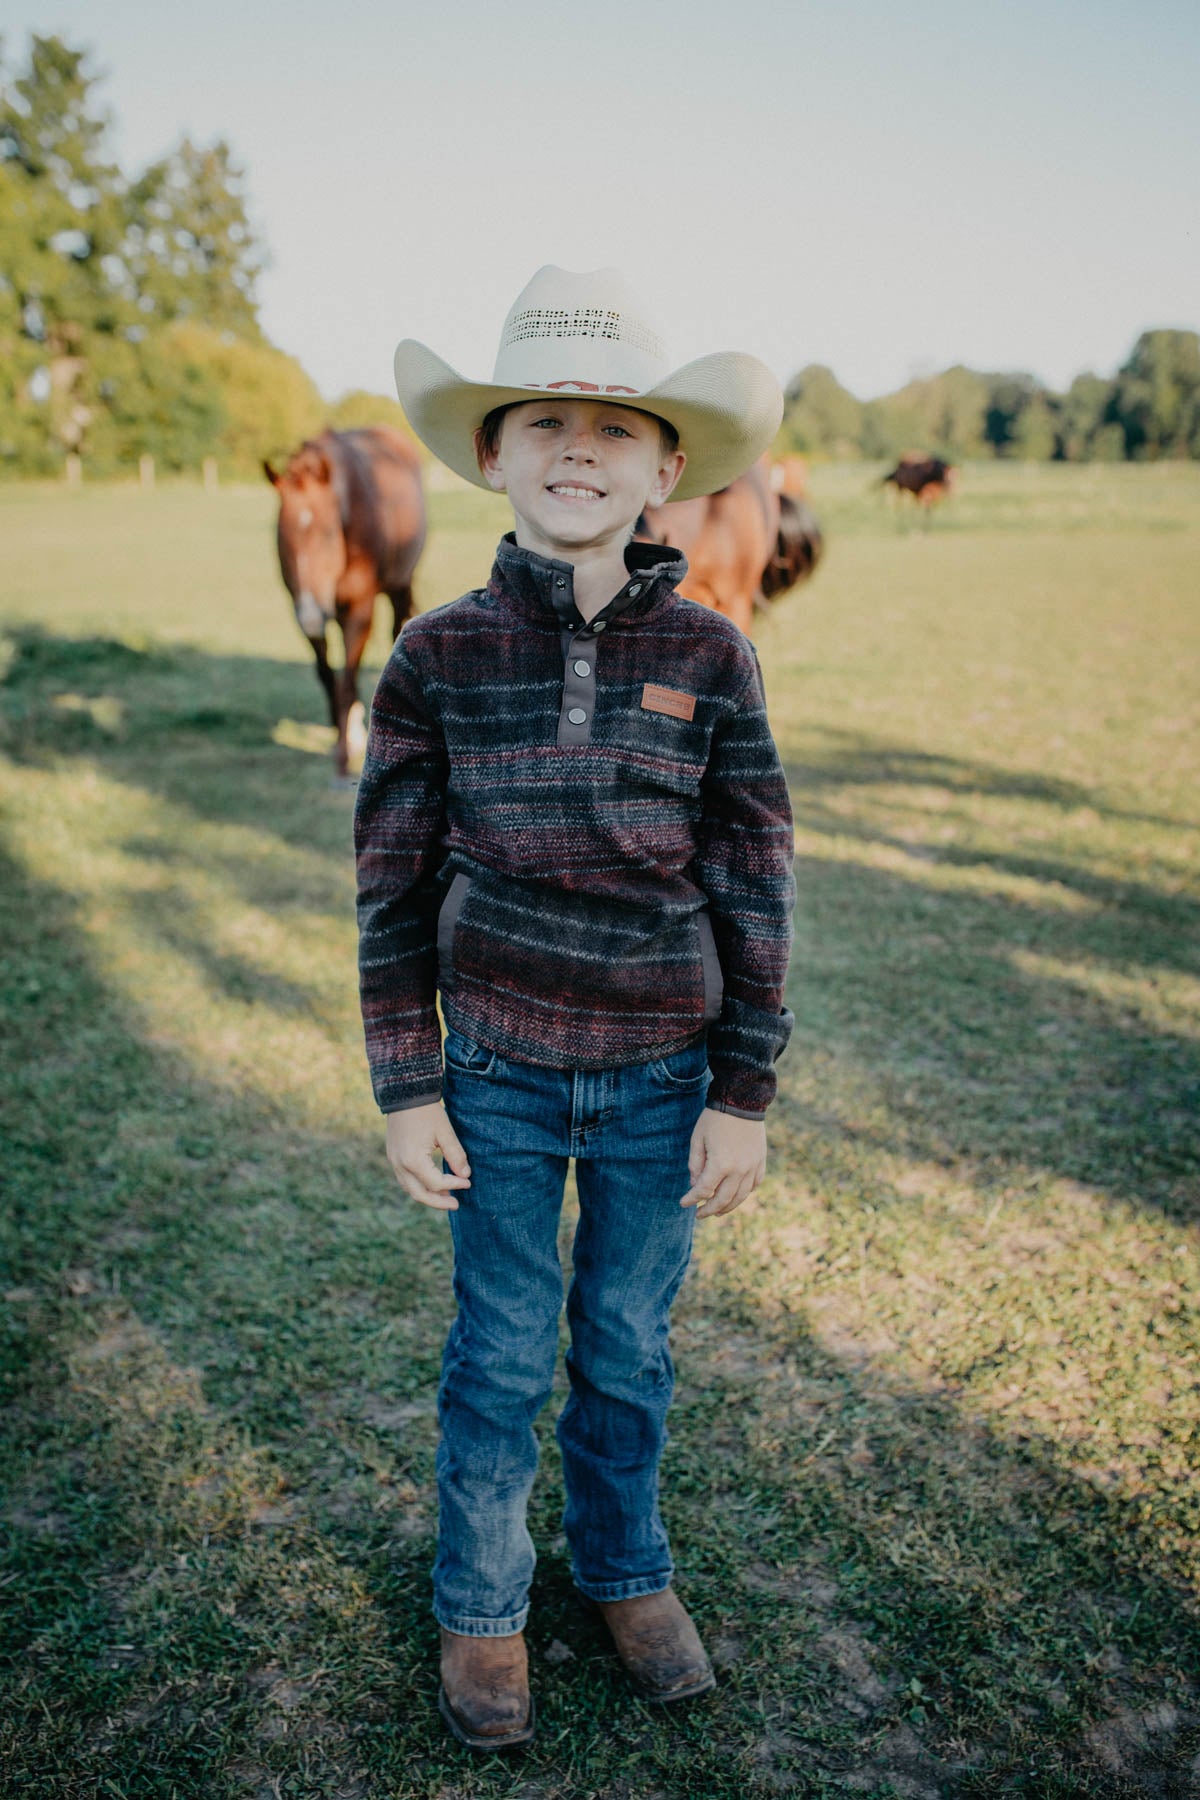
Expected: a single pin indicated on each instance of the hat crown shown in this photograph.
(580, 333)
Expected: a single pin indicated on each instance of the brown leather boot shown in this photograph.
(484, 1697)
(659, 1646)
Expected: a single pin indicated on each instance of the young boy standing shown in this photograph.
(572, 821)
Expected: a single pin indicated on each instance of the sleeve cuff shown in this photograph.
(429, 1099)
(738, 1112)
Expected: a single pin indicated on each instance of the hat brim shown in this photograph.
(725, 407)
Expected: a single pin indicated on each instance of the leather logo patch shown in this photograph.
(668, 700)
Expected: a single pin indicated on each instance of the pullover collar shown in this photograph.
(543, 589)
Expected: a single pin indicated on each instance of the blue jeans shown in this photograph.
(629, 1130)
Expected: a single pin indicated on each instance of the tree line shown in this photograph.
(1149, 409)
(129, 317)
(129, 326)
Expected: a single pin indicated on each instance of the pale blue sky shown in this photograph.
(887, 189)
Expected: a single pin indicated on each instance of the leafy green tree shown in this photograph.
(358, 407)
(189, 251)
(1156, 400)
(943, 414)
(95, 269)
(61, 222)
(1016, 417)
(1081, 417)
(270, 404)
(821, 417)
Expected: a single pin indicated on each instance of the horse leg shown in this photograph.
(326, 676)
(402, 605)
(351, 725)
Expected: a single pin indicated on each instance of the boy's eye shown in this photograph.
(538, 423)
(619, 430)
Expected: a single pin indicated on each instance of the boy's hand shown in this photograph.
(412, 1137)
(726, 1161)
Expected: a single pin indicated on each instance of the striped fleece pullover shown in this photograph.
(579, 833)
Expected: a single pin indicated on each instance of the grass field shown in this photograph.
(933, 1475)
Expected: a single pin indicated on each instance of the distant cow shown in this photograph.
(351, 526)
(927, 478)
(743, 544)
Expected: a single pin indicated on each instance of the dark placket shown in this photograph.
(536, 582)
(580, 648)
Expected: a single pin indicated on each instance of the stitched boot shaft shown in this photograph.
(659, 1646)
(485, 1690)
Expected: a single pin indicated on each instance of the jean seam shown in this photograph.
(633, 1587)
(465, 1625)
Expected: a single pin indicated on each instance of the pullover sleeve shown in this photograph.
(744, 864)
(399, 817)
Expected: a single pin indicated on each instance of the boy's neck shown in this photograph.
(600, 570)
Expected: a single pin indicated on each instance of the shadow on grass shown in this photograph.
(220, 1346)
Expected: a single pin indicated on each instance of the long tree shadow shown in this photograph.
(221, 1344)
(221, 1340)
(996, 1025)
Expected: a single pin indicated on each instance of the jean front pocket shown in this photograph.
(685, 1072)
(466, 1057)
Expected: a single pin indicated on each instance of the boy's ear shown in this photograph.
(666, 479)
(489, 464)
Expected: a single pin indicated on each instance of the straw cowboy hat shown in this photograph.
(589, 335)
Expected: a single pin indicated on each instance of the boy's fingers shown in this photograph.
(703, 1186)
(439, 1202)
(452, 1150)
(722, 1196)
(429, 1176)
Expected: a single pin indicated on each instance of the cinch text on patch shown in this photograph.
(668, 700)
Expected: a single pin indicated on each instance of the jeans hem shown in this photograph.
(631, 1589)
(462, 1625)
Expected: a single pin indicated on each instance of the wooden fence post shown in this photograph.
(146, 471)
(74, 469)
(208, 469)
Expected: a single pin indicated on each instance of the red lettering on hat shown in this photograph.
(583, 387)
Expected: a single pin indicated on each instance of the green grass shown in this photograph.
(932, 1482)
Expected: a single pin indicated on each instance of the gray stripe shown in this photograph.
(448, 918)
(714, 980)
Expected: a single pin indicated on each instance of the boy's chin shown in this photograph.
(578, 532)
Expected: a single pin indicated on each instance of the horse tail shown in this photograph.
(798, 547)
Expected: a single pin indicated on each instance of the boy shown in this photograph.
(572, 821)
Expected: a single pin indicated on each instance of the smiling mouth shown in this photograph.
(567, 490)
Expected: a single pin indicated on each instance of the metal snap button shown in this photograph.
(635, 589)
(560, 581)
(583, 668)
(600, 624)
(577, 715)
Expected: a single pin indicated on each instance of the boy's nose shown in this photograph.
(580, 448)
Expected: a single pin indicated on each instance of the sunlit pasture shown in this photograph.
(932, 1481)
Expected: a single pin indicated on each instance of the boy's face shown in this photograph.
(578, 472)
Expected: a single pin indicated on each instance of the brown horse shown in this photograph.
(927, 478)
(743, 544)
(351, 526)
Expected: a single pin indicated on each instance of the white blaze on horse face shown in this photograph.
(309, 616)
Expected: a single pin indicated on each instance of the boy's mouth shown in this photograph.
(570, 490)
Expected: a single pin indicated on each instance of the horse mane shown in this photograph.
(354, 489)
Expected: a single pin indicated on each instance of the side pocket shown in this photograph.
(714, 980)
(447, 919)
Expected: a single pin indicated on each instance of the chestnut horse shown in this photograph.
(351, 526)
(744, 544)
